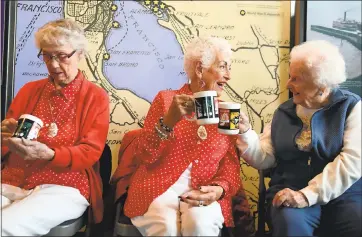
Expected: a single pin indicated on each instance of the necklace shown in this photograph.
(53, 127)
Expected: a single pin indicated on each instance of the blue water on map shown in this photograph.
(28, 22)
(153, 72)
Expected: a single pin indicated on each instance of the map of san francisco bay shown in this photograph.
(135, 49)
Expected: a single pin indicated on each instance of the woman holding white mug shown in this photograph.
(188, 172)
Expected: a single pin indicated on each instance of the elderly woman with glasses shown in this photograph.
(54, 178)
(313, 148)
(186, 179)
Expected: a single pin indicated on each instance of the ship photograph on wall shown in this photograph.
(339, 22)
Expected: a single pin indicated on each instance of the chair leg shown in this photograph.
(118, 211)
(87, 232)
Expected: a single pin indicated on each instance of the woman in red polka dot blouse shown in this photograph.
(54, 179)
(186, 179)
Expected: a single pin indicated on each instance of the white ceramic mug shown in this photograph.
(28, 127)
(229, 113)
(206, 108)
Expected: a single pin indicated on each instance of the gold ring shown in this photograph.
(186, 104)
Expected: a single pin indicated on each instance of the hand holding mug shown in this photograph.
(205, 108)
(8, 127)
(28, 127)
(181, 105)
(30, 150)
(244, 124)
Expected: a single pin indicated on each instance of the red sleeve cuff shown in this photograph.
(62, 158)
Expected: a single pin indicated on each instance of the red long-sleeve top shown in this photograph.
(77, 156)
(214, 160)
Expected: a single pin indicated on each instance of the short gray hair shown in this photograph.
(322, 61)
(205, 49)
(61, 32)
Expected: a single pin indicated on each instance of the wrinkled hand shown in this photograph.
(206, 194)
(181, 105)
(244, 124)
(8, 127)
(290, 198)
(30, 150)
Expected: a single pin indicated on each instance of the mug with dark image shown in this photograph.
(229, 113)
(28, 127)
(206, 106)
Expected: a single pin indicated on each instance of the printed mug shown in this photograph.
(28, 127)
(206, 108)
(229, 113)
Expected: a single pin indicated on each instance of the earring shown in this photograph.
(201, 83)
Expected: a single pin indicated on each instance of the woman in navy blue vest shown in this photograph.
(313, 146)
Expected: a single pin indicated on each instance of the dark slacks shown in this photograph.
(340, 217)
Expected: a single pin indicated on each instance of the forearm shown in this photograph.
(259, 152)
(150, 146)
(78, 157)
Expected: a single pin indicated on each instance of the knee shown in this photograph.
(161, 223)
(291, 222)
(169, 226)
(282, 225)
(165, 220)
(166, 227)
(284, 218)
(196, 225)
(193, 227)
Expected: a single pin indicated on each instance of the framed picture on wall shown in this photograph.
(338, 22)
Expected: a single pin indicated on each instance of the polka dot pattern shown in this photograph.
(214, 160)
(53, 106)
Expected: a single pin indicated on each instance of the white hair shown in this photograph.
(322, 61)
(61, 32)
(205, 50)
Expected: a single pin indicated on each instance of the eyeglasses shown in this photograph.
(60, 58)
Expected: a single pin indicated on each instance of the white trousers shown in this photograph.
(35, 212)
(168, 216)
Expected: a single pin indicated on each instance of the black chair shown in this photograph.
(71, 227)
(123, 225)
(262, 219)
